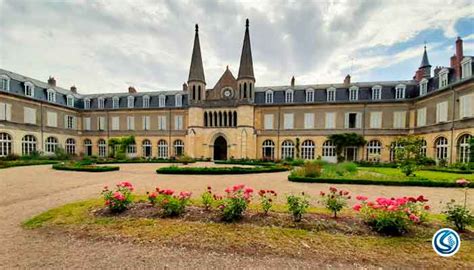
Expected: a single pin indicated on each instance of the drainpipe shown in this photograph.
(452, 126)
(278, 134)
(169, 134)
(363, 127)
(41, 126)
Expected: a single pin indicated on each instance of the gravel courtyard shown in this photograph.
(27, 191)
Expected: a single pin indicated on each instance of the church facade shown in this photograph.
(237, 118)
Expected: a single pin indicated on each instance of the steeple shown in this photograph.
(246, 63)
(424, 60)
(196, 71)
(424, 71)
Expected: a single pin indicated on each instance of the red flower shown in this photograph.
(333, 189)
(357, 207)
(462, 182)
(361, 198)
(322, 193)
(427, 207)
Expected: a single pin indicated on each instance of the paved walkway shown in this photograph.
(26, 191)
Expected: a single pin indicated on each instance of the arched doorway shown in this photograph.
(220, 148)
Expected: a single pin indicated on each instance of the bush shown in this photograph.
(459, 215)
(208, 198)
(335, 200)
(313, 168)
(235, 203)
(219, 170)
(118, 200)
(266, 199)
(297, 205)
(345, 167)
(171, 205)
(80, 167)
(392, 216)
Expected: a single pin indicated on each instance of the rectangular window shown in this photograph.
(268, 121)
(466, 69)
(146, 102)
(69, 122)
(131, 102)
(116, 123)
(146, 122)
(101, 123)
(179, 100)
(421, 117)
(442, 112)
(4, 83)
(353, 120)
(310, 96)
(288, 121)
(87, 103)
(178, 122)
(115, 102)
(465, 106)
(376, 93)
(87, 123)
(52, 119)
(6, 111)
(101, 102)
(162, 122)
(375, 119)
(353, 94)
(29, 115)
(70, 101)
(330, 120)
(443, 78)
(131, 122)
(423, 88)
(400, 92)
(309, 120)
(399, 119)
(331, 95)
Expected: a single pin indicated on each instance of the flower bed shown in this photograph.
(78, 167)
(219, 170)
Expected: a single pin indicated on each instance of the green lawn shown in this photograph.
(396, 174)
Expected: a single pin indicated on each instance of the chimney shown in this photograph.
(74, 89)
(459, 57)
(437, 70)
(185, 87)
(52, 81)
(132, 90)
(293, 81)
(347, 79)
(452, 62)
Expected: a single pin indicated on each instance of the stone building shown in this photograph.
(237, 118)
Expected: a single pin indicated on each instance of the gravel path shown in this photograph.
(26, 191)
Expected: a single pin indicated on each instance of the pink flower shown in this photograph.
(107, 202)
(361, 198)
(248, 190)
(421, 199)
(322, 193)
(227, 190)
(414, 218)
(118, 196)
(463, 182)
(152, 195)
(333, 189)
(357, 207)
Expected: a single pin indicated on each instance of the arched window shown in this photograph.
(178, 148)
(5, 144)
(216, 120)
(210, 119)
(115, 102)
(130, 101)
(220, 119)
(307, 149)
(331, 94)
(464, 149)
(70, 146)
(235, 119)
(146, 101)
(162, 101)
(194, 92)
(393, 151)
(268, 150)
(269, 97)
(423, 148)
(354, 93)
(376, 92)
(289, 96)
(229, 116)
(51, 145)
(374, 150)
(101, 103)
(329, 150)
(87, 103)
(102, 148)
(199, 92)
(245, 90)
(29, 89)
(441, 149)
(28, 145)
(224, 119)
(205, 119)
(51, 95)
(162, 149)
(310, 95)
(146, 147)
(400, 91)
(287, 150)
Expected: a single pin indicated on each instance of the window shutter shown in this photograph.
(115, 123)
(268, 121)
(8, 112)
(288, 118)
(346, 120)
(74, 122)
(65, 124)
(309, 120)
(3, 111)
(330, 120)
(375, 120)
(359, 120)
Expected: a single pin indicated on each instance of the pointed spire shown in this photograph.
(196, 71)
(424, 60)
(246, 63)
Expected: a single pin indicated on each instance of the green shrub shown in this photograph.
(77, 166)
(313, 168)
(219, 170)
(297, 205)
(235, 203)
(119, 199)
(459, 215)
(335, 200)
(346, 167)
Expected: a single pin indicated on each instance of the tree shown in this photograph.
(118, 145)
(408, 152)
(344, 140)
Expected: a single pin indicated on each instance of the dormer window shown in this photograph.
(178, 100)
(146, 101)
(466, 67)
(70, 101)
(289, 96)
(115, 102)
(443, 77)
(354, 93)
(4, 83)
(269, 97)
(29, 89)
(130, 102)
(51, 95)
(310, 95)
(400, 91)
(87, 103)
(423, 87)
(377, 92)
(162, 101)
(101, 103)
(331, 94)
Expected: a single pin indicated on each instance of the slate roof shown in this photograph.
(424, 60)
(196, 70)
(246, 63)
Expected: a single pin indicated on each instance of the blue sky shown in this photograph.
(106, 46)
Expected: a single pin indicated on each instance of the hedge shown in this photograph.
(447, 170)
(142, 161)
(420, 183)
(219, 170)
(17, 163)
(246, 162)
(79, 168)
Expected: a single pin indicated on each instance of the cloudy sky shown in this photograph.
(105, 46)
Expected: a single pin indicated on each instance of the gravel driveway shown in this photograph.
(26, 191)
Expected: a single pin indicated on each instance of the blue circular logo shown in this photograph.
(446, 242)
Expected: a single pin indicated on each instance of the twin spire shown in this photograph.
(196, 70)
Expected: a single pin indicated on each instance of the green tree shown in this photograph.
(344, 140)
(119, 145)
(408, 152)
